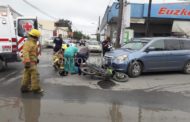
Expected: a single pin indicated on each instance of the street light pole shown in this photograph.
(148, 19)
(98, 30)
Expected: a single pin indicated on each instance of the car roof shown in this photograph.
(141, 39)
(147, 39)
(151, 38)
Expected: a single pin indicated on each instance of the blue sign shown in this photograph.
(170, 10)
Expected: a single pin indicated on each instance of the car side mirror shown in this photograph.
(150, 49)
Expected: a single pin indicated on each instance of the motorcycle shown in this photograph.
(106, 73)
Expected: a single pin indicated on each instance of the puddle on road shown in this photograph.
(37, 110)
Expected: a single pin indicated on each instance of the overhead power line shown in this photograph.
(38, 9)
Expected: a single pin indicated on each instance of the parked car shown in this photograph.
(49, 42)
(94, 46)
(67, 41)
(151, 55)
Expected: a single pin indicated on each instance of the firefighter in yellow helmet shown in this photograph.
(30, 80)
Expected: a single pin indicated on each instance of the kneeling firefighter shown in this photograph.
(30, 80)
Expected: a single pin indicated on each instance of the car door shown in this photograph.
(185, 44)
(154, 59)
(176, 55)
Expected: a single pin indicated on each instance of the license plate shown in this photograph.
(6, 48)
(106, 61)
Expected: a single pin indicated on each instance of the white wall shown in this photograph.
(181, 27)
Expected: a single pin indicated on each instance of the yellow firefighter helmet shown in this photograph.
(35, 33)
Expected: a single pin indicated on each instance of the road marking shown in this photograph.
(11, 80)
(7, 76)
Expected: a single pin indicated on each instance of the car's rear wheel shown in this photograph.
(135, 69)
(187, 68)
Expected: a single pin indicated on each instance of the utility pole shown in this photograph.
(148, 19)
(119, 23)
(126, 20)
(98, 30)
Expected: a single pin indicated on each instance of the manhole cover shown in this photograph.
(106, 84)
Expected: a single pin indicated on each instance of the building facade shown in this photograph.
(166, 20)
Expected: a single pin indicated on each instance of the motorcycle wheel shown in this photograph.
(88, 71)
(120, 77)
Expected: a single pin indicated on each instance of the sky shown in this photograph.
(84, 14)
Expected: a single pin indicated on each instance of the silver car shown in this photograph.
(94, 46)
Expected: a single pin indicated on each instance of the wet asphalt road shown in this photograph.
(157, 97)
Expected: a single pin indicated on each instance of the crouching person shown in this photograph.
(81, 58)
(30, 80)
(58, 60)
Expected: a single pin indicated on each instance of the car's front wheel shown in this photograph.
(135, 69)
(187, 68)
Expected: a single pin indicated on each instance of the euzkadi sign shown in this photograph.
(176, 12)
(173, 11)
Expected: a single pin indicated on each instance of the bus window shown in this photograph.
(3, 11)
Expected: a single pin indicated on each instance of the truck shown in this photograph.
(13, 32)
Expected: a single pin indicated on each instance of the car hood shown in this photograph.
(118, 52)
(93, 46)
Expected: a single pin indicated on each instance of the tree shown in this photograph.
(87, 37)
(77, 35)
(64, 23)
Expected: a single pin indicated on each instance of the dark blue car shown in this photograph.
(151, 55)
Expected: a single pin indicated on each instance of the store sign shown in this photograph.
(172, 11)
(176, 12)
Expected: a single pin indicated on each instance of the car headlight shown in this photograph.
(121, 59)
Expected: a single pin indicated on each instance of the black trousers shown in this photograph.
(79, 59)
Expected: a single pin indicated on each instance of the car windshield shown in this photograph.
(135, 45)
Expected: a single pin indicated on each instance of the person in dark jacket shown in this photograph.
(58, 41)
(106, 45)
(81, 58)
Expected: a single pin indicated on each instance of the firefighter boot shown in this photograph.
(25, 89)
(38, 91)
